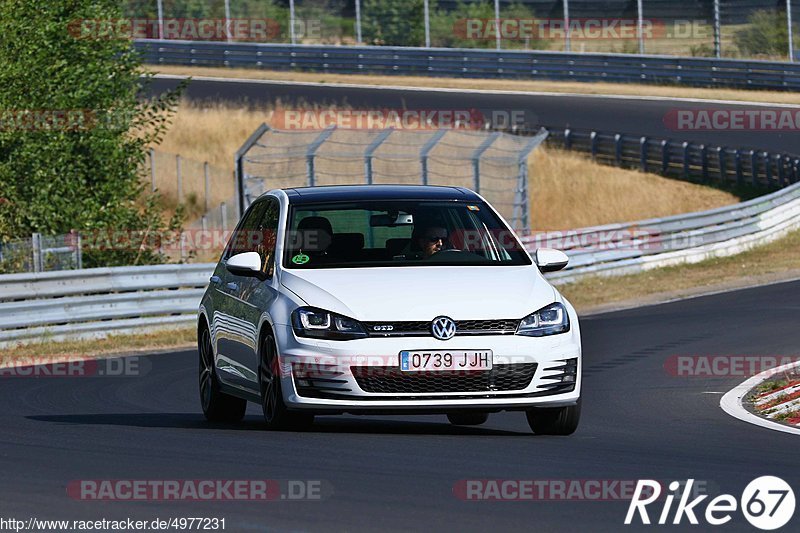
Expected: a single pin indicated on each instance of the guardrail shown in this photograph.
(99, 301)
(477, 63)
(617, 249)
(96, 302)
(683, 159)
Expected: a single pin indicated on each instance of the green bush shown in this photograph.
(394, 22)
(86, 175)
(766, 34)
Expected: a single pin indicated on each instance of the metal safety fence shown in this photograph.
(493, 164)
(699, 28)
(467, 63)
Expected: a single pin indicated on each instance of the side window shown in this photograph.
(245, 237)
(267, 232)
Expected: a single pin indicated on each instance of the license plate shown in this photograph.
(428, 360)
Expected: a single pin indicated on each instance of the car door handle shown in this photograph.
(215, 279)
(232, 286)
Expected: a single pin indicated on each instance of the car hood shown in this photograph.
(423, 293)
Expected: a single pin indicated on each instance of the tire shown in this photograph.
(554, 420)
(276, 415)
(217, 406)
(467, 419)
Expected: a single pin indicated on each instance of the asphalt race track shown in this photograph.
(398, 473)
(617, 115)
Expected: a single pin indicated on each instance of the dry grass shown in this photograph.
(560, 180)
(569, 191)
(770, 262)
(41, 352)
(628, 89)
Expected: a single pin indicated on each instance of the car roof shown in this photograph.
(344, 193)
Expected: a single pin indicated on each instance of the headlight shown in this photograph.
(319, 324)
(549, 320)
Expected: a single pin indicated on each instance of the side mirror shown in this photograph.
(245, 264)
(550, 260)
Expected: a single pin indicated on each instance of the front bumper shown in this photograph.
(363, 375)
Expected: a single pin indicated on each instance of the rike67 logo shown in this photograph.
(767, 503)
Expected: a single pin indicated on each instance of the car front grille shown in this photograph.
(391, 380)
(423, 329)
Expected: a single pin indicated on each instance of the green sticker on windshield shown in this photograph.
(300, 259)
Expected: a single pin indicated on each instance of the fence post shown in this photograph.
(739, 175)
(643, 153)
(292, 35)
(152, 170)
(223, 215)
(36, 248)
(768, 168)
(424, 151)
(717, 29)
(664, 156)
(79, 250)
(207, 184)
(358, 22)
(639, 24)
(704, 161)
(795, 170)
(721, 159)
(686, 157)
(311, 153)
(791, 36)
(160, 6)
(369, 153)
(427, 20)
(618, 149)
(180, 178)
(754, 167)
(568, 139)
(567, 40)
(476, 160)
(593, 139)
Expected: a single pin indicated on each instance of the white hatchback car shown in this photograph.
(386, 299)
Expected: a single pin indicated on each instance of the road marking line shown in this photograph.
(476, 91)
(731, 403)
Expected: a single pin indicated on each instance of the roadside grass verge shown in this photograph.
(770, 262)
(40, 352)
(627, 89)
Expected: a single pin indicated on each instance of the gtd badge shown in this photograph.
(443, 328)
(383, 328)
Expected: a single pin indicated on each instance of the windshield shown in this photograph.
(398, 233)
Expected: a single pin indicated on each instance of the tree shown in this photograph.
(73, 131)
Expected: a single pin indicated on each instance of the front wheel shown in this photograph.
(217, 406)
(554, 420)
(276, 414)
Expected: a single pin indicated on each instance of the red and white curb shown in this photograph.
(771, 404)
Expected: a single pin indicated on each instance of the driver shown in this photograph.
(430, 240)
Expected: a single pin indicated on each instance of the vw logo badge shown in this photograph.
(443, 328)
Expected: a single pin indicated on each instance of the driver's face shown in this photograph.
(432, 241)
